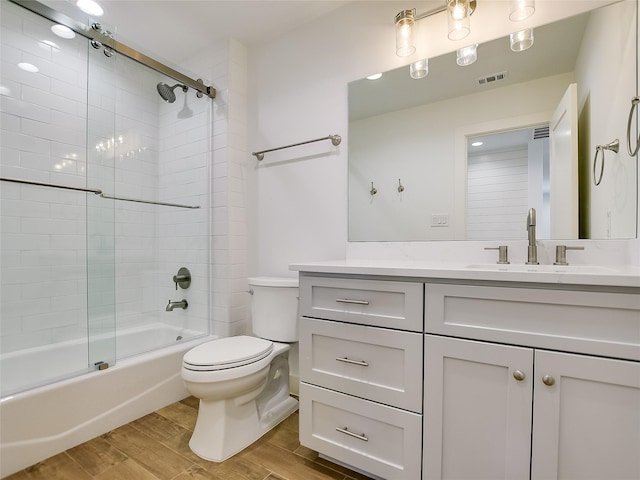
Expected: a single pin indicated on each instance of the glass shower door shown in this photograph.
(101, 147)
(47, 205)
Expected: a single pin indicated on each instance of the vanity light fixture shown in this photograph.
(419, 69)
(405, 21)
(459, 13)
(521, 9)
(467, 55)
(521, 40)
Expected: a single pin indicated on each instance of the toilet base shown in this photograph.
(225, 427)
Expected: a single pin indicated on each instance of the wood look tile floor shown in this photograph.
(155, 447)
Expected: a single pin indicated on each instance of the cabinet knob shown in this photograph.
(518, 375)
(548, 380)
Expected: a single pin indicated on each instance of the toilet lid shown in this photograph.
(228, 352)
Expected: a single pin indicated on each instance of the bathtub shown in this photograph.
(41, 422)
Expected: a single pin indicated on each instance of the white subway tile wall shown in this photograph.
(118, 135)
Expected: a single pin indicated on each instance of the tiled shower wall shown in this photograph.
(149, 153)
(43, 139)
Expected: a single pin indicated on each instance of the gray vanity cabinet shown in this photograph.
(500, 411)
(361, 373)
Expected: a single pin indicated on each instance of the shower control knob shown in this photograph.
(182, 278)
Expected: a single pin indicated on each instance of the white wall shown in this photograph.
(298, 91)
(609, 44)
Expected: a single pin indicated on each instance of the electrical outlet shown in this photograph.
(439, 219)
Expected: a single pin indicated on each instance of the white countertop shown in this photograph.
(597, 275)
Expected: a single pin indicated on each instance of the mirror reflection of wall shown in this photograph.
(507, 173)
(409, 129)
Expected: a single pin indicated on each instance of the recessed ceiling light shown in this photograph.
(476, 144)
(28, 67)
(90, 7)
(375, 76)
(63, 31)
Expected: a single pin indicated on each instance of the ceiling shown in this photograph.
(555, 51)
(174, 29)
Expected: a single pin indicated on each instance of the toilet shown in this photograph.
(243, 382)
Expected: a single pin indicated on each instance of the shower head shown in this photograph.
(166, 92)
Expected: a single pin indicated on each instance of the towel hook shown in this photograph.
(614, 147)
(400, 186)
(373, 190)
(634, 107)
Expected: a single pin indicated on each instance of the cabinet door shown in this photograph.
(586, 418)
(477, 410)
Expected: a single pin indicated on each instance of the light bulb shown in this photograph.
(405, 21)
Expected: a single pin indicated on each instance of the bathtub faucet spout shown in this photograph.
(183, 304)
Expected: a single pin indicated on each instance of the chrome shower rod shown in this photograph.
(96, 34)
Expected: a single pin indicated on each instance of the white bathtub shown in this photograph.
(47, 420)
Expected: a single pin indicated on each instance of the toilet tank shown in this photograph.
(274, 308)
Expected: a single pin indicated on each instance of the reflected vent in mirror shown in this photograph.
(540, 132)
(494, 77)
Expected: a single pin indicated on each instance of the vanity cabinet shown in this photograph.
(453, 378)
(494, 410)
(361, 351)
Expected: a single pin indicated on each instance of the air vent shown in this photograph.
(541, 132)
(495, 77)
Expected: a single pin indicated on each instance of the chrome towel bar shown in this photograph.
(335, 140)
(95, 191)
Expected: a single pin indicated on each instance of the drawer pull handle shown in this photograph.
(355, 302)
(344, 430)
(362, 363)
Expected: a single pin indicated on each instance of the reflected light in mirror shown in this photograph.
(419, 69)
(521, 40)
(467, 55)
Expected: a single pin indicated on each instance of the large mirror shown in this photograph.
(540, 113)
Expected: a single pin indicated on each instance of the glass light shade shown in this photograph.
(458, 14)
(521, 9)
(405, 21)
(419, 69)
(467, 55)
(521, 40)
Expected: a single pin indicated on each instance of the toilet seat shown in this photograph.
(226, 353)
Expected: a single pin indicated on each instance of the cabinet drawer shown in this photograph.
(595, 323)
(381, 440)
(369, 302)
(374, 363)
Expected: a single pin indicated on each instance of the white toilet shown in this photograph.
(243, 382)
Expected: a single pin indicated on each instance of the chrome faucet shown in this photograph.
(183, 304)
(532, 250)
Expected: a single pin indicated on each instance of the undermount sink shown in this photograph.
(583, 269)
